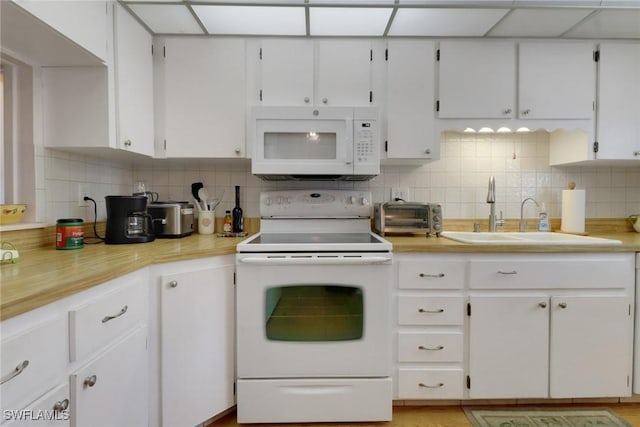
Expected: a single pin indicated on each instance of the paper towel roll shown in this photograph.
(573, 210)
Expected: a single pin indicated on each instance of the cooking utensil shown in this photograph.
(195, 187)
(217, 201)
(203, 193)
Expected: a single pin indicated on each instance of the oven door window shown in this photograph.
(314, 313)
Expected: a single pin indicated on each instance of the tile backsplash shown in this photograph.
(458, 181)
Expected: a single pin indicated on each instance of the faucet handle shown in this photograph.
(500, 221)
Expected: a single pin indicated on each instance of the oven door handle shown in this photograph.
(316, 261)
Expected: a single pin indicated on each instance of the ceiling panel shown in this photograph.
(608, 23)
(444, 22)
(344, 21)
(588, 3)
(620, 3)
(485, 3)
(167, 18)
(252, 20)
(539, 22)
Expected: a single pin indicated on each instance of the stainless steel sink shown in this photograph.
(531, 238)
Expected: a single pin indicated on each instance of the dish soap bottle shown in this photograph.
(543, 219)
(237, 225)
(227, 227)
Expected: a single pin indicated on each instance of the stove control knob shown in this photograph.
(364, 201)
(279, 200)
(287, 200)
(268, 201)
(351, 200)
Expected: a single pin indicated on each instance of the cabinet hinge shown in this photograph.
(468, 382)
(370, 55)
(151, 50)
(629, 310)
(234, 277)
(596, 146)
(438, 105)
(165, 145)
(438, 55)
(386, 146)
(468, 309)
(234, 388)
(260, 95)
(628, 381)
(260, 54)
(164, 51)
(596, 55)
(370, 96)
(386, 54)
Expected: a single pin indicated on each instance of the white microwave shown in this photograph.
(315, 143)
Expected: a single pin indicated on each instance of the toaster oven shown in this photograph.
(407, 218)
(171, 219)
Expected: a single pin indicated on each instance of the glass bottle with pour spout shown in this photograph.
(238, 222)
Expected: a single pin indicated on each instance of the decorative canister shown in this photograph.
(69, 233)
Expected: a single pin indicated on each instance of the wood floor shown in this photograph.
(438, 416)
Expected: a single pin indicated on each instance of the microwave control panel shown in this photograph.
(364, 141)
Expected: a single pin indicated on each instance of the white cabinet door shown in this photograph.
(619, 101)
(204, 97)
(477, 79)
(509, 346)
(411, 100)
(591, 346)
(287, 72)
(197, 345)
(556, 80)
(134, 84)
(344, 72)
(112, 390)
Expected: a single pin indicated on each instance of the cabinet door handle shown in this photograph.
(427, 151)
(123, 311)
(237, 150)
(542, 304)
(436, 348)
(17, 371)
(507, 272)
(423, 310)
(636, 153)
(306, 99)
(127, 143)
(435, 276)
(506, 111)
(431, 386)
(173, 284)
(61, 405)
(526, 112)
(562, 305)
(90, 381)
(325, 101)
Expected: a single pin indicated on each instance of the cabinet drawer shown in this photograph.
(417, 274)
(426, 310)
(56, 400)
(430, 347)
(430, 383)
(32, 362)
(537, 272)
(98, 322)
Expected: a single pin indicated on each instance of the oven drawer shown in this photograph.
(427, 310)
(416, 383)
(430, 347)
(419, 274)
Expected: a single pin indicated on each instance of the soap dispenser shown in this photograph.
(543, 219)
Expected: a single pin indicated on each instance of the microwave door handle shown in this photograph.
(349, 146)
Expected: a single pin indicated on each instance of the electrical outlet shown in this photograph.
(83, 191)
(400, 193)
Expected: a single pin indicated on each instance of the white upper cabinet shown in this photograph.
(410, 100)
(344, 72)
(556, 80)
(134, 84)
(477, 79)
(85, 22)
(287, 72)
(618, 115)
(204, 97)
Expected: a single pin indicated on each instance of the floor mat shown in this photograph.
(544, 417)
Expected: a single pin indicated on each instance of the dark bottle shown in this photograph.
(238, 225)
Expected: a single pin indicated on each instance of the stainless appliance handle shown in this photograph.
(316, 260)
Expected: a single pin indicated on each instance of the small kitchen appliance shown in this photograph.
(171, 219)
(128, 220)
(408, 218)
(313, 311)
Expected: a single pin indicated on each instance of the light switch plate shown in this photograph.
(400, 193)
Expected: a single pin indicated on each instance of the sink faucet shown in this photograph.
(491, 199)
(523, 224)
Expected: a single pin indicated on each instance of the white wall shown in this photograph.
(458, 180)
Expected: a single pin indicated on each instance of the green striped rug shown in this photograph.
(544, 417)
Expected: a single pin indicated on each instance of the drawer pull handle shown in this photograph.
(61, 405)
(439, 310)
(436, 348)
(17, 371)
(507, 272)
(434, 276)
(542, 304)
(439, 385)
(123, 311)
(90, 381)
(562, 305)
(173, 284)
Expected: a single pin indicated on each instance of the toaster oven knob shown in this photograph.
(364, 201)
(268, 201)
(351, 200)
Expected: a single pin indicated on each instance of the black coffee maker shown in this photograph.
(128, 220)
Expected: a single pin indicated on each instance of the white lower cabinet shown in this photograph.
(111, 390)
(196, 340)
(51, 410)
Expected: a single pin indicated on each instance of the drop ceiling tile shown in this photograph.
(609, 23)
(620, 3)
(167, 18)
(345, 21)
(502, 3)
(250, 2)
(444, 22)
(352, 2)
(252, 20)
(588, 3)
(538, 22)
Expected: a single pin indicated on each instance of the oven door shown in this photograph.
(305, 315)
